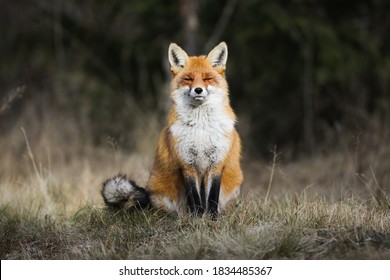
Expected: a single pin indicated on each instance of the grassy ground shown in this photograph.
(331, 206)
(296, 228)
(47, 218)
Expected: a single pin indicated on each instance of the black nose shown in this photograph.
(198, 90)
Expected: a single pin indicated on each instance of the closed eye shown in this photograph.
(188, 79)
(207, 79)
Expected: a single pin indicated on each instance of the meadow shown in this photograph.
(84, 93)
(329, 206)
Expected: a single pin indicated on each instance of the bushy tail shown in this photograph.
(119, 192)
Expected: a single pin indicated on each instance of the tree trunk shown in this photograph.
(308, 95)
(189, 13)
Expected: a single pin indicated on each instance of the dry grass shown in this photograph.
(319, 208)
(288, 229)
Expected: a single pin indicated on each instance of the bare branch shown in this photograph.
(10, 97)
(221, 25)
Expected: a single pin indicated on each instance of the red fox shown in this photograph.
(197, 163)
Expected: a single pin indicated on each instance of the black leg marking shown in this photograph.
(203, 193)
(214, 197)
(193, 198)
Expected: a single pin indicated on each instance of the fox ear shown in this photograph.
(177, 57)
(218, 56)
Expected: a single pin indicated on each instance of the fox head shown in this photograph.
(198, 80)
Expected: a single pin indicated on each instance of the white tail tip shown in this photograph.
(117, 190)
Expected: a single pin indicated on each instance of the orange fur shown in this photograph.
(197, 162)
(166, 179)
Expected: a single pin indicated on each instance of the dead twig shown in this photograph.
(10, 97)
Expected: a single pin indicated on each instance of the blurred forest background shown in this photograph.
(308, 77)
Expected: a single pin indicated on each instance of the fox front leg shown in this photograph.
(213, 197)
(193, 197)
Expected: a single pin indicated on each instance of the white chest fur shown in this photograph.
(202, 133)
